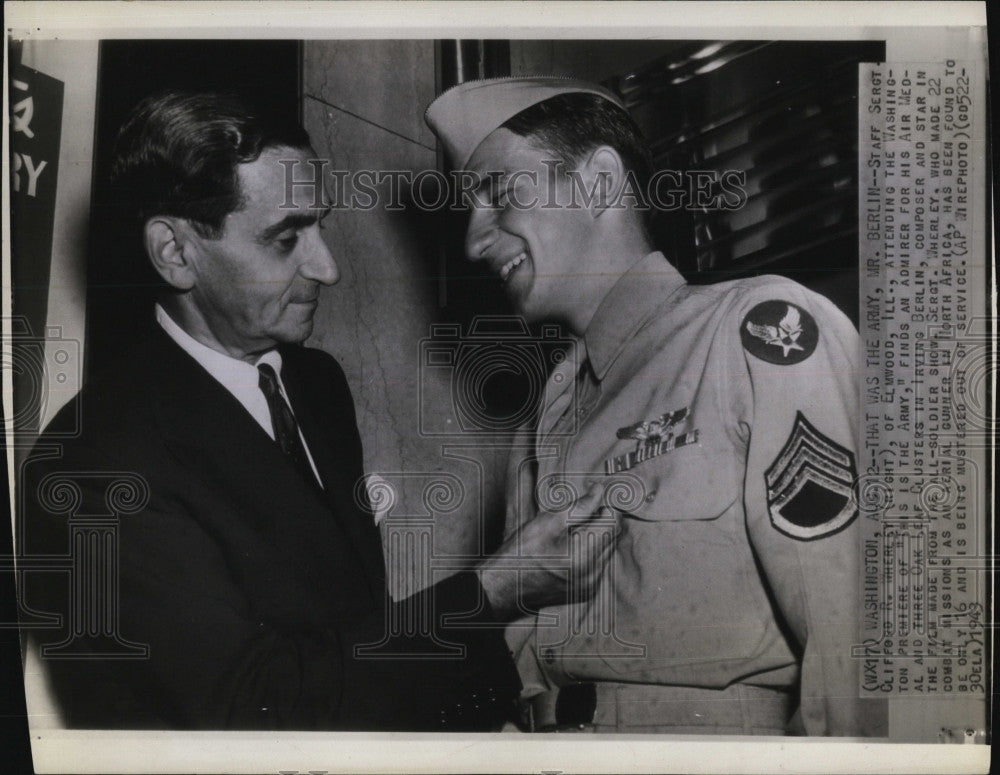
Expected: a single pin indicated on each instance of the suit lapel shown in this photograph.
(327, 423)
(216, 438)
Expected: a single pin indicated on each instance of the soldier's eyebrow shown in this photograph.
(292, 221)
(491, 186)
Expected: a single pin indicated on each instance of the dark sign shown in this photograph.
(36, 105)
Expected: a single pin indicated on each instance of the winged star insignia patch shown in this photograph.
(779, 332)
(810, 485)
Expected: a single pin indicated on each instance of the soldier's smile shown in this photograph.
(508, 269)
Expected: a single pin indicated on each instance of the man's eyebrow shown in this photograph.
(292, 221)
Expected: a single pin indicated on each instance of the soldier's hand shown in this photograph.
(553, 556)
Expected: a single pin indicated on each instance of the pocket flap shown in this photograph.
(690, 483)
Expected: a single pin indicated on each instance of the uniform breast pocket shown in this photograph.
(691, 483)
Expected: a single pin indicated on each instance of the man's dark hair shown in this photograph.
(570, 125)
(177, 154)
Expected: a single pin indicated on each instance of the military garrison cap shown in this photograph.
(466, 114)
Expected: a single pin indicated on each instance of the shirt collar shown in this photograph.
(633, 300)
(233, 373)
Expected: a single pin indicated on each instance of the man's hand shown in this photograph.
(550, 557)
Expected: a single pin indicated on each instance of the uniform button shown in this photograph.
(549, 656)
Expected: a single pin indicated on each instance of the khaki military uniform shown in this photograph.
(724, 420)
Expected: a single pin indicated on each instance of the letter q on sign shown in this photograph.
(22, 111)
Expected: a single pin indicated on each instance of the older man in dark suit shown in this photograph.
(251, 570)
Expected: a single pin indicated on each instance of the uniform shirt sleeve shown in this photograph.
(796, 388)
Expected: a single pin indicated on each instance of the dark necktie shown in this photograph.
(286, 430)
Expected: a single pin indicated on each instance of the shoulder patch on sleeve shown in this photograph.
(779, 332)
(810, 484)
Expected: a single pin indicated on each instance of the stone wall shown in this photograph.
(363, 105)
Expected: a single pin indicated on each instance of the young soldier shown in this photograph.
(730, 411)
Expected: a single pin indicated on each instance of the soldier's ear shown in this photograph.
(604, 169)
(169, 244)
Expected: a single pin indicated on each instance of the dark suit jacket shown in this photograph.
(250, 586)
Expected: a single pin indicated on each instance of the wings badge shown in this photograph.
(652, 430)
(653, 438)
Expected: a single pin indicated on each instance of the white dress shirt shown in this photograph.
(238, 377)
